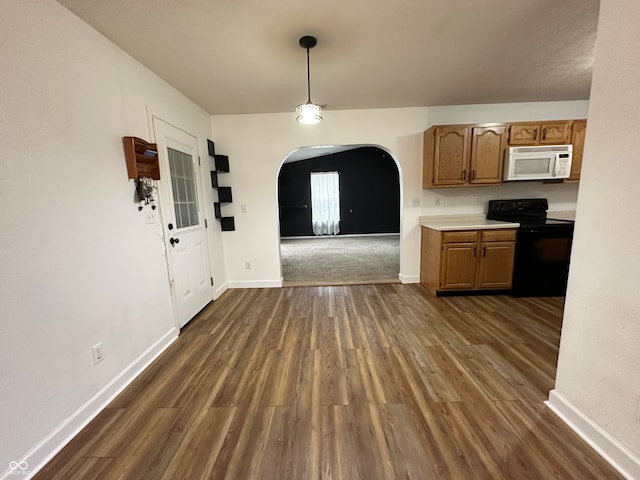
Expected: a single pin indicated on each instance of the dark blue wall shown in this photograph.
(369, 192)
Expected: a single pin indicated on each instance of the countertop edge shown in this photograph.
(463, 222)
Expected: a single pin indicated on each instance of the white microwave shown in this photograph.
(537, 163)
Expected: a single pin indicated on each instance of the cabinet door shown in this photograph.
(451, 156)
(458, 266)
(496, 265)
(525, 134)
(556, 133)
(578, 132)
(487, 153)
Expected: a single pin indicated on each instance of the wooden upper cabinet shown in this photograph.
(555, 133)
(473, 154)
(540, 133)
(487, 154)
(451, 155)
(463, 155)
(525, 134)
(578, 131)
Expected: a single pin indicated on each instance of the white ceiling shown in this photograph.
(242, 56)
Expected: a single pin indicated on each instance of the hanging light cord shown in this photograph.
(308, 79)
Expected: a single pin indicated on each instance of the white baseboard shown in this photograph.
(602, 442)
(351, 235)
(220, 290)
(256, 284)
(39, 455)
(409, 278)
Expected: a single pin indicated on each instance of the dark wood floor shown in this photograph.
(355, 382)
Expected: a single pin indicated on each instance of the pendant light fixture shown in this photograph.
(308, 113)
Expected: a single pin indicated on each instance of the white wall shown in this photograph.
(598, 378)
(79, 263)
(257, 145)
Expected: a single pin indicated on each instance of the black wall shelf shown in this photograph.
(224, 195)
(221, 165)
(228, 224)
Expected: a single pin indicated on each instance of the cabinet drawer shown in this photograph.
(498, 235)
(460, 237)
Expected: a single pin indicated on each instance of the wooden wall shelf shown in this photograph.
(141, 157)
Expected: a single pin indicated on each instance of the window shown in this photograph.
(184, 188)
(325, 203)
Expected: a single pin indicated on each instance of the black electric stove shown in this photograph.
(543, 246)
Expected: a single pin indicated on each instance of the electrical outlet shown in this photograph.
(98, 353)
(243, 208)
(437, 201)
(415, 202)
(477, 200)
(247, 265)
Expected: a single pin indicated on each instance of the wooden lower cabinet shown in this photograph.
(496, 265)
(467, 260)
(458, 266)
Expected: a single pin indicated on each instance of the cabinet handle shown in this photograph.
(464, 175)
(535, 134)
(544, 133)
(473, 174)
(484, 252)
(475, 250)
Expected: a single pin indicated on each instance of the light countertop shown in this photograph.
(562, 215)
(463, 222)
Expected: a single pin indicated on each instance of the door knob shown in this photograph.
(173, 241)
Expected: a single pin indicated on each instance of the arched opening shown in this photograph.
(363, 245)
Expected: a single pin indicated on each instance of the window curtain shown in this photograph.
(325, 203)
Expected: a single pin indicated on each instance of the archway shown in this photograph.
(367, 247)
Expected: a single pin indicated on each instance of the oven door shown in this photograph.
(542, 258)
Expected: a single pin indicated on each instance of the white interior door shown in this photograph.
(184, 229)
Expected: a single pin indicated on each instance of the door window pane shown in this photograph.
(184, 188)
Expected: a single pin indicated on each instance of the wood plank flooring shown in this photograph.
(353, 382)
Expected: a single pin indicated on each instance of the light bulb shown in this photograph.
(309, 113)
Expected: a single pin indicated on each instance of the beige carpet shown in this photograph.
(340, 260)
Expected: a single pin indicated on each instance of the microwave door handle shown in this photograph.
(554, 164)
